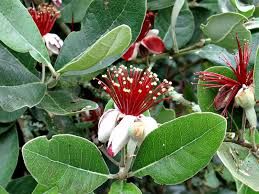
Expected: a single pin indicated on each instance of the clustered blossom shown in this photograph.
(228, 87)
(133, 91)
(45, 17)
(147, 42)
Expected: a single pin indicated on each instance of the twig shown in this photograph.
(64, 28)
(43, 72)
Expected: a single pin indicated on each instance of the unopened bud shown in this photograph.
(245, 97)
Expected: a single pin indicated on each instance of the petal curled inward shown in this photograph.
(150, 125)
(57, 3)
(154, 44)
(53, 43)
(120, 135)
(131, 53)
(106, 124)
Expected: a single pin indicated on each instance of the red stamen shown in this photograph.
(44, 17)
(228, 87)
(133, 91)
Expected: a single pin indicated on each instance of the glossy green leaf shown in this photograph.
(215, 54)
(63, 103)
(23, 185)
(256, 74)
(245, 10)
(111, 44)
(163, 154)
(165, 115)
(19, 32)
(242, 164)
(244, 189)
(9, 150)
(3, 191)
(68, 10)
(95, 25)
(6, 117)
(73, 164)
(18, 87)
(159, 4)
(222, 29)
(119, 187)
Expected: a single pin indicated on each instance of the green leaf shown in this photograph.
(95, 25)
(18, 87)
(5, 127)
(9, 150)
(159, 4)
(19, 32)
(182, 24)
(119, 187)
(23, 185)
(245, 10)
(3, 191)
(244, 189)
(63, 103)
(6, 117)
(16, 97)
(256, 74)
(165, 115)
(242, 164)
(165, 159)
(111, 44)
(73, 164)
(215, 54)
(75, 9)
(222, 29)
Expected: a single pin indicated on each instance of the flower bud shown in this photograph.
(53, 43)
(245, 97)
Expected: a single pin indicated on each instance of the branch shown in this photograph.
(103, 150)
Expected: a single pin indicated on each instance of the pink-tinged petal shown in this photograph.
(132, 52)
(154, 44)
(120, 135)
(106, 124)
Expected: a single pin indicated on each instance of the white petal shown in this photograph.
(53, 43)
(106, 124)
(150, 124)
(58, 3)
(120, 135)
(153, 32)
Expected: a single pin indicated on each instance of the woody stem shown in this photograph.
(252, 136)
(242, 130)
